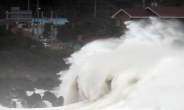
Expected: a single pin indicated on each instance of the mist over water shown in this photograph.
(142, 70)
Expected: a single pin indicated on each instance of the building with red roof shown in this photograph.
(167, 12)
(124, 15)
(15, 30)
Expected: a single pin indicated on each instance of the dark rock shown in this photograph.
(50, 97)
(13, 104)
(24, 103)
(38, 104)
(15, 88)
(60, 101)
(30, 101)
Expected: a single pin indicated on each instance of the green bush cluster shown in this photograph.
(89, 27)
(9, 41)
(22, 55)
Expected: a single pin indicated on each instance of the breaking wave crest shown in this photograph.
(142, 70)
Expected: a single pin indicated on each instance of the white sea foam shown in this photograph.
(142, 70)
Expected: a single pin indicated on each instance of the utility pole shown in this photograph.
(37, 19)
(28, 5)
(51, 27)
(95, 10)
(28, 10)
(42, 25)
(33, 26)
(143, 4)
(153, 3)
(55, 29)
(7, 27)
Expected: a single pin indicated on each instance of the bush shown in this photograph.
(20, 55)
(88, 28)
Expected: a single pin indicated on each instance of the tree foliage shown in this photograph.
(9, 41)
(80, 14)
(89, 27)
(47, 30)
(24, 55)
(64, 32)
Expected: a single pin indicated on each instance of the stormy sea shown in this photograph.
(141, 70)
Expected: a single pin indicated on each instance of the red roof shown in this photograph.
(134, 13)
(161, 12)
(167, 12)
(138, 13)
(15, 29)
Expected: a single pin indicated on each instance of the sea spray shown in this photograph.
(142, 70)
(138, 69)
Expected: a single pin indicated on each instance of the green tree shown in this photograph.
(171, 2)
(47, 30)
(64, 32)
(89, 27)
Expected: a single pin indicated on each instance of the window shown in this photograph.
(119, 22)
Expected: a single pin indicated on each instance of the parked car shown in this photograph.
(46, 45)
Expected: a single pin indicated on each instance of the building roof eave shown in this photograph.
(113, 16)
(171, 17)
(121, 10)
(153, 11)
(141, 16)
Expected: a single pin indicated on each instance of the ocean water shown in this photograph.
(141, 70)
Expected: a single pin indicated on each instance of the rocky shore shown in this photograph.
(14, 93)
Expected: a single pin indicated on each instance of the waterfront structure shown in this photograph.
(16, 15)
(124, 15)
(19, 16)
(54, 21)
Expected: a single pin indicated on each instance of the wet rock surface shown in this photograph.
(13, 92)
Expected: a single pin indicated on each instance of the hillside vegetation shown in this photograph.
(24, 56)
(21, 55)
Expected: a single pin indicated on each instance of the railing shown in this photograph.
(20, 12)
(10, 20)
(19, 15)
(20, 19)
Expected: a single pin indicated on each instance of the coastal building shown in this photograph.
(54, 21)
(124, 15)
(16, 16)
(23, 19)
(38, 24)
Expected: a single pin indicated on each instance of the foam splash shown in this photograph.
(142, 70)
